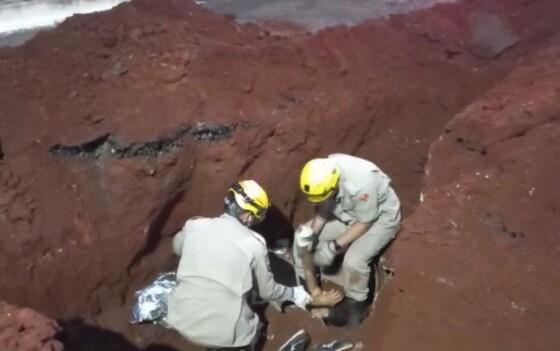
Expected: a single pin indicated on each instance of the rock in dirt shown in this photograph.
(491, 35)
(118, 69)
(23, 329)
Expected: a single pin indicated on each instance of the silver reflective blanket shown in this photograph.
(150, 303)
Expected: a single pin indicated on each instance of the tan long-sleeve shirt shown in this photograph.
(221, 262)
(365, 192)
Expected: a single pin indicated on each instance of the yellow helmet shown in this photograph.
(250, 196)
(318, 179)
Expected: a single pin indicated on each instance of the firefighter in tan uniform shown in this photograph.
(357, 215)
(222, 262)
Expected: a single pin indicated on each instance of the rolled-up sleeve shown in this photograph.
(267, 287)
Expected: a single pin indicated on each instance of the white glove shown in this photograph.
(304, 236)
(325, 253)
(301, 298)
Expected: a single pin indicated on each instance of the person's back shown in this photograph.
(214, 276)
(357, 175)
(222, 261)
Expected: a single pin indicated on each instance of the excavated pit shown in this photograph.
(457, 103)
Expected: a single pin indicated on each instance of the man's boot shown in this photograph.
(297, 342)
(348, 313)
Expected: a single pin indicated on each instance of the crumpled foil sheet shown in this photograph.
(150, 303)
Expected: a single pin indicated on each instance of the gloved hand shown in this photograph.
(325, 252)
(301, 298)
(304, 236)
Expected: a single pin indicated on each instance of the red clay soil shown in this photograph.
(95, 179)
(22, 329)
(490, 224)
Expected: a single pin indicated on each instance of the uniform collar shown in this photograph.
(340, 193)
(230, 218)
(346, 194)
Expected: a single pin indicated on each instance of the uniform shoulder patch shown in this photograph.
(363, 197)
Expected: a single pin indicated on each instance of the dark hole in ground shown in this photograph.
(80, 336)
(277, 229)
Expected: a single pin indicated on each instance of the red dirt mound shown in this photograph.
(478, 260)
(116, 127)
(22, 329)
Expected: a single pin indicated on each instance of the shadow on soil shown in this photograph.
(276, 228)
(78, 336)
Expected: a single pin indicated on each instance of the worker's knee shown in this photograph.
(356, 281)
(355, 263)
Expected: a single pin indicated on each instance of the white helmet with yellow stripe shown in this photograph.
(251, 197)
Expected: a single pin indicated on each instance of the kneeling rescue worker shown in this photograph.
(222, 263)
(357, 214)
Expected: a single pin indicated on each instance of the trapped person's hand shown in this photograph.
(301, 297)
(327, 298)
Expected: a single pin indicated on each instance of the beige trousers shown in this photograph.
(354, 273)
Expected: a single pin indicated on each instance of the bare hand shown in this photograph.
(320, 312)
(326, 298)
(316, 291)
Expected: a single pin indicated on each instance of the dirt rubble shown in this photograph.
(22, 329)
(116, 127)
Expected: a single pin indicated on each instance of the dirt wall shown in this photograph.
(116, 127)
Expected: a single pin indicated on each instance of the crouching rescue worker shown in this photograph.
(357, 214)
(222, 262)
